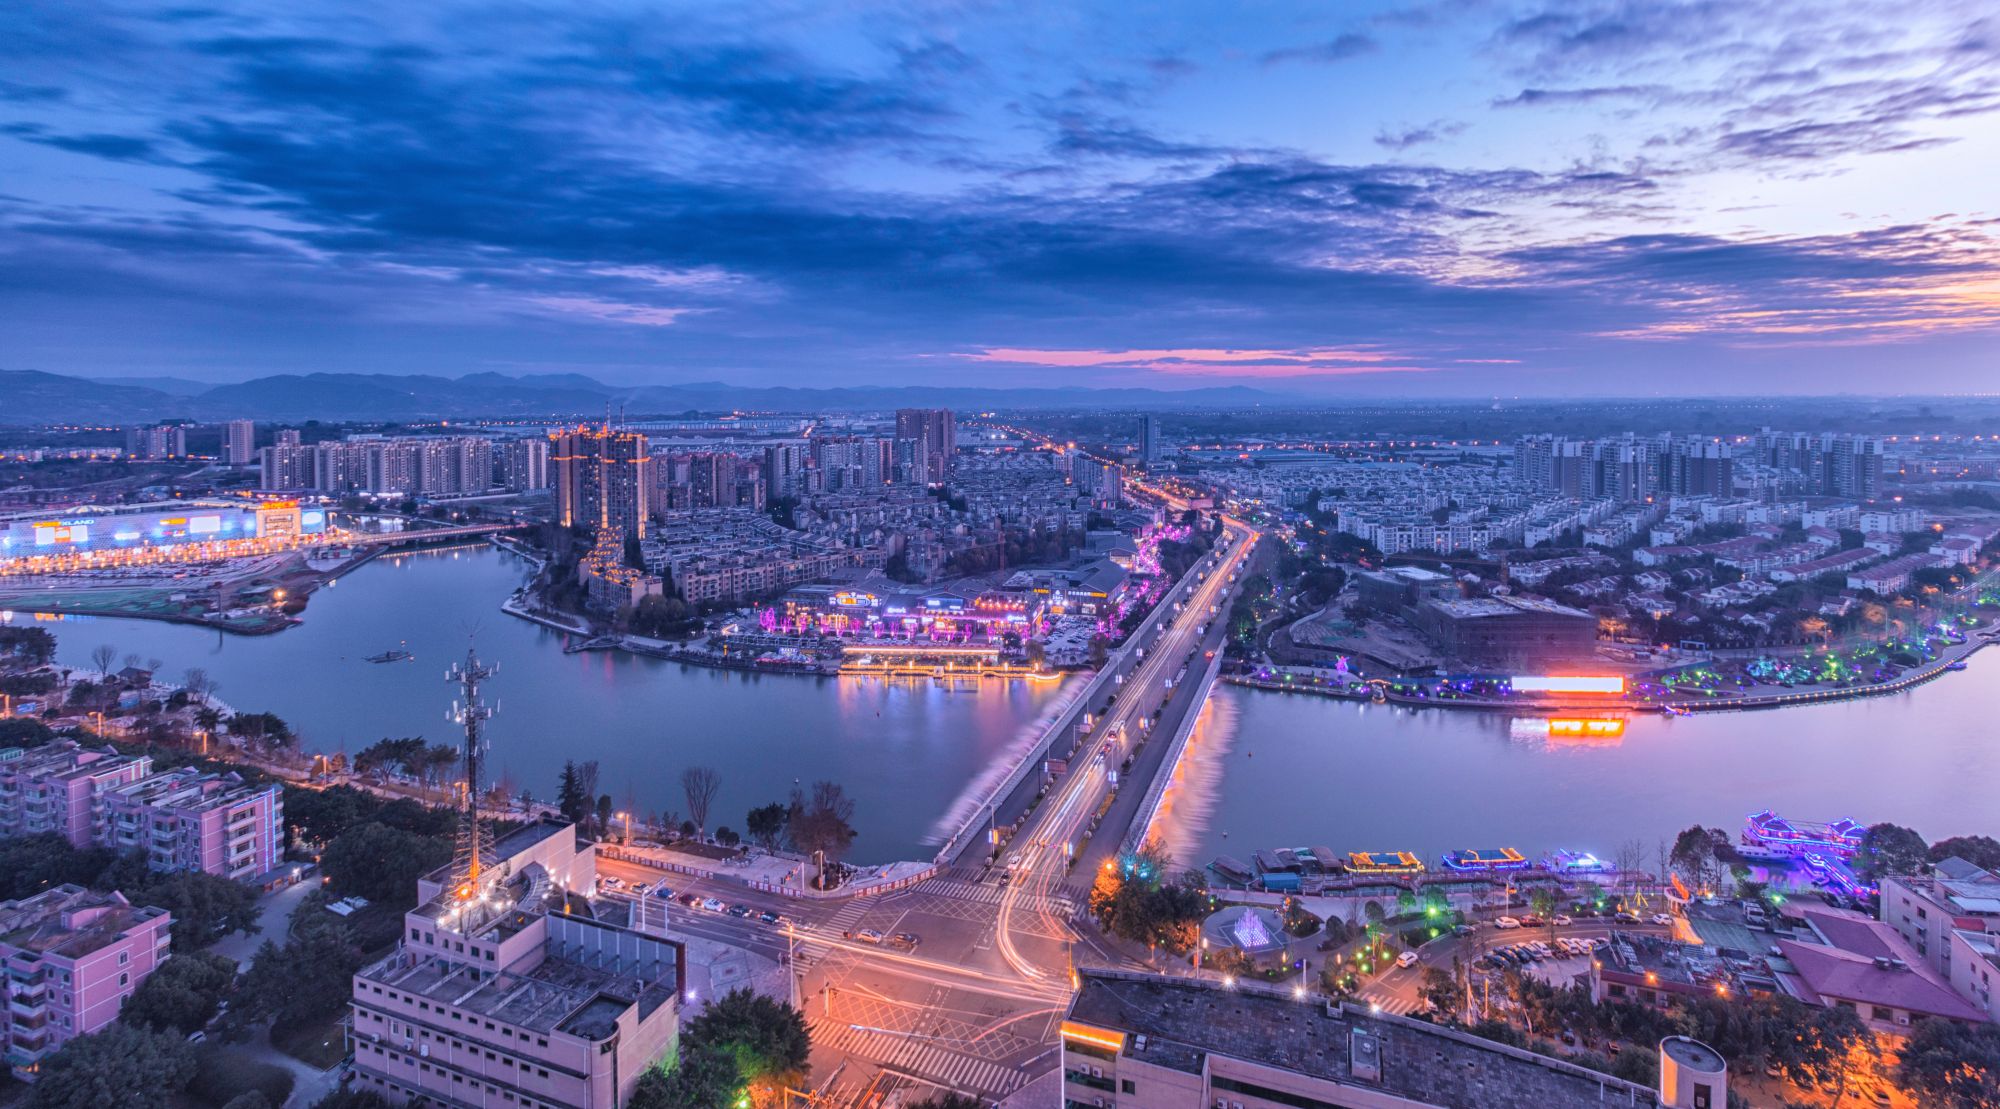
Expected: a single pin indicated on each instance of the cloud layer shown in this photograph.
(1465, 197)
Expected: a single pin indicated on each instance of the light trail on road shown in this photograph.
(1063, 817)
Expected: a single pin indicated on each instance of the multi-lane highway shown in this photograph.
(1047, 843)
(974, 1005)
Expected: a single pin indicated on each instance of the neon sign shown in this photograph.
(1578, 683)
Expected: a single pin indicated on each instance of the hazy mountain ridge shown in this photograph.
(35, 397)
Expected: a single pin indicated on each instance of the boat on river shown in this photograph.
(397, 655)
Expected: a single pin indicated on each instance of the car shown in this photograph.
(691, 900)
(1506, 922)
(1407, 959)
(868, 935)
(1461, 930)
(739, 911)
(1628, 916)
(1560, 920)
(769, 917)
(1532, 921)
(906, 940)
(609, 883)
(663, 893)
(1662, 918)
(713, 905)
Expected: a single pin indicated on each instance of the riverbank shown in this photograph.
(1349, 690)
(287, 579)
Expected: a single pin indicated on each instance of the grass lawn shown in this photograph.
(319, 1044)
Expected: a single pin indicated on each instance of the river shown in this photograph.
(1282, 770)
(903, 751)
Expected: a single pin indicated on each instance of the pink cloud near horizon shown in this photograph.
(1206, 361)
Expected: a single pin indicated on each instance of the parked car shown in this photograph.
(1407, 959)
(1506, 922)
(1560, 920)
(1532, 921)
(1662, 918)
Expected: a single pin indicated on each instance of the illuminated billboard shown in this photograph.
(204, 525)
(1579, 683)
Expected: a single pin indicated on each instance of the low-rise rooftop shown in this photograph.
(1183, 1022)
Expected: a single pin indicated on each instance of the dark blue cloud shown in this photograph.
(634, 190)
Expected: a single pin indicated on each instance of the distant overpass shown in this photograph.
(416, 536)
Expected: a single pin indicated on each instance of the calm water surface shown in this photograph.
(904, 751)
(1279, 770)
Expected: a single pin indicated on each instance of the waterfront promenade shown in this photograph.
(1291, 681)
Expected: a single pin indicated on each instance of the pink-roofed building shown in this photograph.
(186, 820)
(72, 956)
(1859, 963)
(54, 788)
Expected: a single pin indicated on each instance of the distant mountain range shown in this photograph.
(33, 397)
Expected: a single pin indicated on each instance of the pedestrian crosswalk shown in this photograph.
(953, 1070)
(918, 1057)
(1393, 1005)
(988, 894)
(849, 915)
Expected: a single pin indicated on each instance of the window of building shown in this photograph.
(1127, 1086)
(1881, 1012)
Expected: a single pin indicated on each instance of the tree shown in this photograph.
(704, 1077)
(1890, 849)
(1036, 652)
(248, 1099)
(24, 731)
(101, 657)
(381, 863)
(206, 907)
(309, 978)
(182, 994)
(699, 784)
(766, 825)
(1948, 1065)
(1980, 851)
(571, 798)
(262, 727)
(766, 1038)
(1813, 1045)
(197, 682)
(31, 864)
(121, 1067)
(820, 825)
(1440, 992)
(1700, 852)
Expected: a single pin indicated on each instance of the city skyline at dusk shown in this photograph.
(1440, 199)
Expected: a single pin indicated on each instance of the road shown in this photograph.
(1046, 846)
(974, 1006)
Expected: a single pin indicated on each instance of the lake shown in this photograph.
(1282, 770)
(903, 751)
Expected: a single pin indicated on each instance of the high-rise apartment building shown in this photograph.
(72, 957)
(286, 437)
(286, 466)
(1628, 467)
(157, 442)
(54, 788)
(937, 438)
(526, 464)
(1102, 482)
(239, 442)
(782, 465)
(1149, 440)
(602, 479)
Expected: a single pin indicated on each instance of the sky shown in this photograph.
(1439, 198)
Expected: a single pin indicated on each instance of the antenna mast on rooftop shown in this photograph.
(469, 860)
